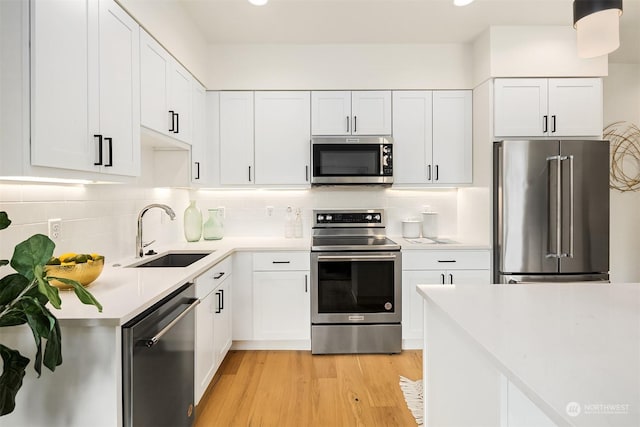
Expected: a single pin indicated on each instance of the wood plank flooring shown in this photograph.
(294, 388)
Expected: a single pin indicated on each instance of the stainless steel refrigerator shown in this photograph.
(551, 211)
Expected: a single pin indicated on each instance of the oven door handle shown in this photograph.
(357, 257)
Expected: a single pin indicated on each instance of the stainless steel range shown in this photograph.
(356, 284)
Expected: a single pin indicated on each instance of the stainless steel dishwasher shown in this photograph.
(158, 363)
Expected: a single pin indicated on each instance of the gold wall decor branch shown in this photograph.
(624, 137)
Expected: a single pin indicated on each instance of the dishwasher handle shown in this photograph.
(154, 340)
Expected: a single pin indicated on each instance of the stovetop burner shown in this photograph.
(351, 230)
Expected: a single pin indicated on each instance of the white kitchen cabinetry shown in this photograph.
(236, 138)
(201, 155)
(432, 133)
(548, 107)
(165, 91)
(448, 267)
(281, 303)
(213, 323)
(282, 134)
(351, 113)
(85, 115)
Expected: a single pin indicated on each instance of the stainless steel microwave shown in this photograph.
(352, 160)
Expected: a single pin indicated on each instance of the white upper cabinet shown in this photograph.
(432, 132)
(412, 137)
(282, 137)
(236, 138)
(351, 113)
(548, 107)
(119, 71)
(85, 114)
(165, 91)
(201, 155)
(452, 137)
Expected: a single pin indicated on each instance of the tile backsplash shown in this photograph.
(102, 218)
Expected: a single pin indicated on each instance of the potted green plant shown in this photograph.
(24, 296)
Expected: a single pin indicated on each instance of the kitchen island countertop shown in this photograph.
(559, 344)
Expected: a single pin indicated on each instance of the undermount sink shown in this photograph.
(173, 259)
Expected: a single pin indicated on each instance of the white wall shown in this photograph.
(348, 66)
(622, 102)
(169, 23)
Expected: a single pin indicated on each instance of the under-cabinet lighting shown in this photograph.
(32, 179)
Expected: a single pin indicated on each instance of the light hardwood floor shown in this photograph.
(294, 388)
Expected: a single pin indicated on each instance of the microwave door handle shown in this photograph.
(381, 160)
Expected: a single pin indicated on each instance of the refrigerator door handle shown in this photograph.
(557, 213)
(569, 254)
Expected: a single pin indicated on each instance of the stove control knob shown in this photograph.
(320, 217)
(329, 217)
(368, 217)
(377, 217)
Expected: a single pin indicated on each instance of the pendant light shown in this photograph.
(597, 23)
(462, 2)
(258, 2)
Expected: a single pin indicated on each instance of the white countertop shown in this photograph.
(560, 343)
(127, 292)
(427, 244)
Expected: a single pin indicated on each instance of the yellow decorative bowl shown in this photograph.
(83, 273)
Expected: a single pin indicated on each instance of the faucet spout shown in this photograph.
(139, 244)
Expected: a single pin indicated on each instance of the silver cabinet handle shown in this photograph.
(154, 340)
(557, 213)
(381, 160)
(571, 208)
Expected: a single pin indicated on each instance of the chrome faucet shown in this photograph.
(139, 244)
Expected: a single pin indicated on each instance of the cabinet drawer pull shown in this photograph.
(347, 124)
(446, 260)
(216, 277)
(171, 120)
(306, 284)
(99, 162)
(306, 173)
(197, 170)
(355, 124)
(281, 262)
(437, 173)
(249, 173)
(219, 309)
(110, 145)
(428, 172)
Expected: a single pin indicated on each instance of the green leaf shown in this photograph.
(14, 365)
(53, 349)
(83, 295)
(46, 289)
(34, 251)
(41, 322)
(10, 287)
(13, 317)
(4, 220)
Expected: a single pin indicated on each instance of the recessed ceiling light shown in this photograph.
(260, 2)
(462, 2)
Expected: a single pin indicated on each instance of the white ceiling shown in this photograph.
(387, 21)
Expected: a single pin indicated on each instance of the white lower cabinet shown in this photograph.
(449, 267)
(213, 323)
(281, 303)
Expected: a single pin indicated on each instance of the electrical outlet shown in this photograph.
(269, 210)
(55, 229)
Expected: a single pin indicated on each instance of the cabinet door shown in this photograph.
(412, 137)
(371, 112)
(452, 137)
(281, 305)
(201, 159)
(242, 313)
(412, 302)
(331, 113)
(180, 102)
(575, 107)
(282, 133)
(236, 138)
(119, 74)
(468, 277)
(222, 321)
(520, 107)
(154, 85)
(205, 352)
(60, 135)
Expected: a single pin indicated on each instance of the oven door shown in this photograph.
(354, 163)
(356, 287)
